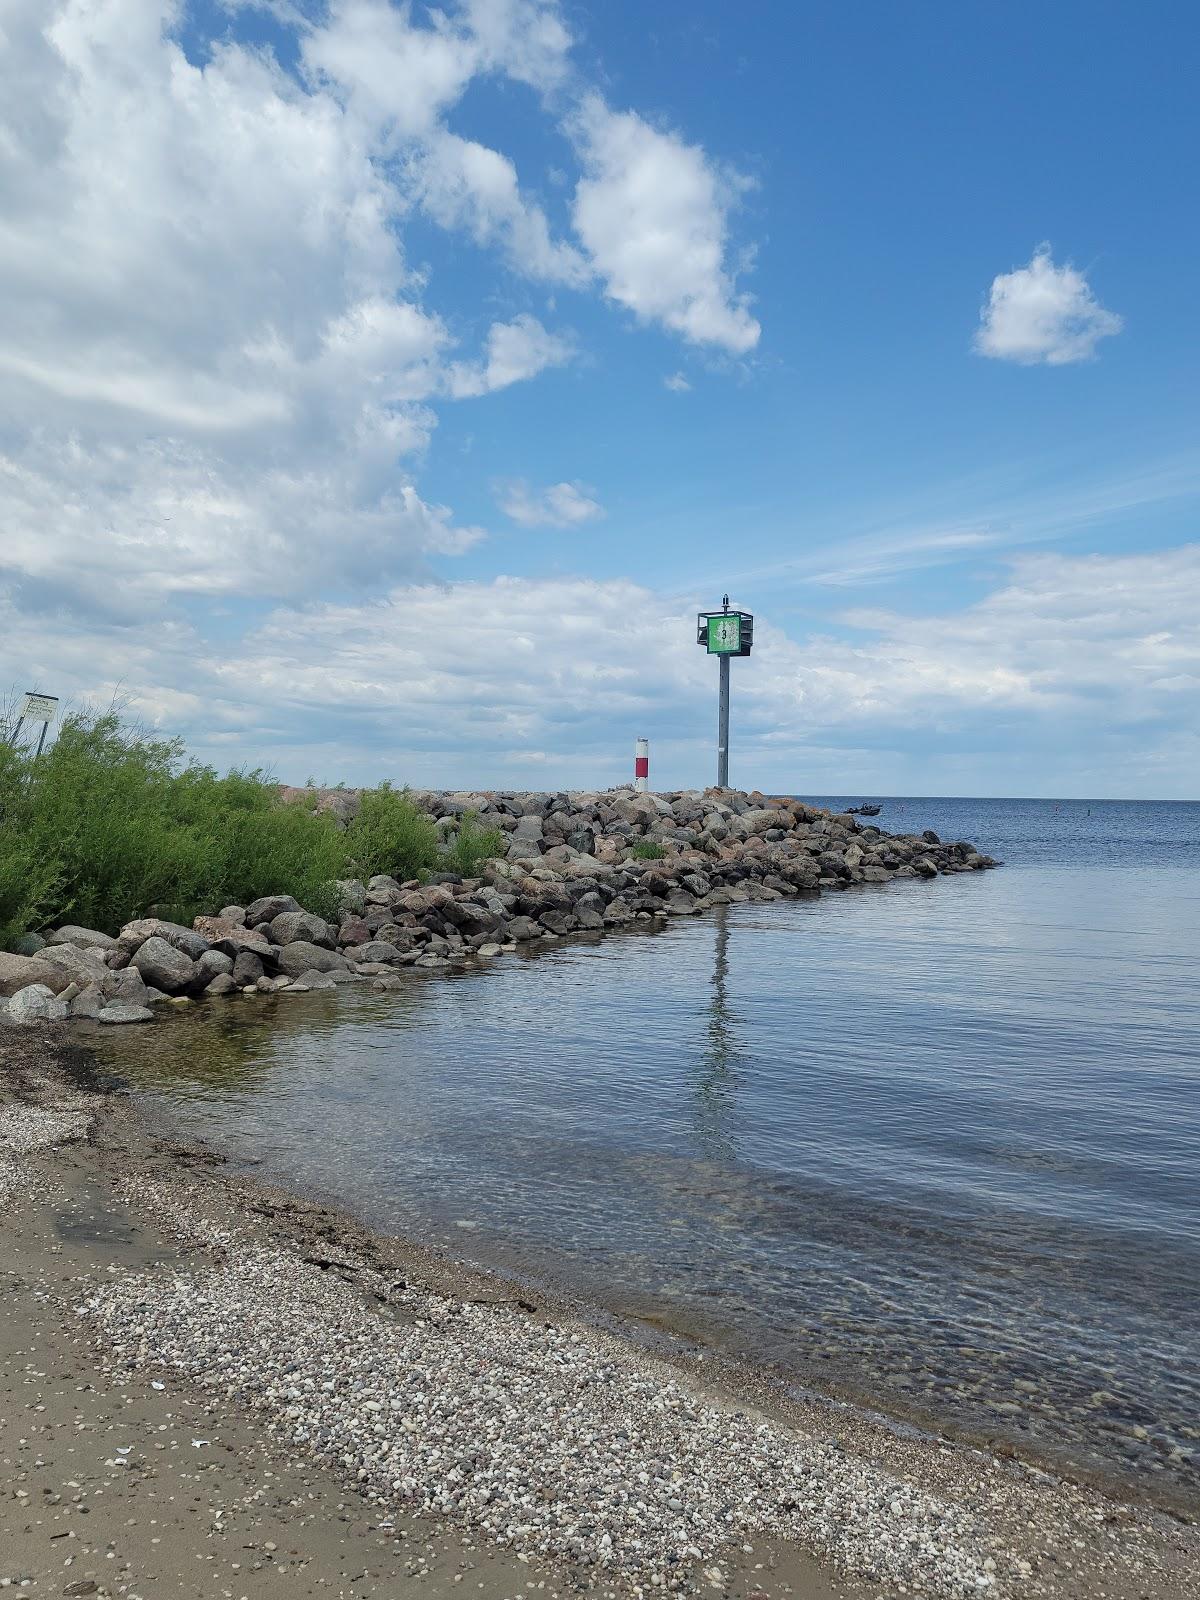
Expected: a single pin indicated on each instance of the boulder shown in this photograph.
(120, 1013)
(353, 930)
(289, 926)
(223, 983)
(247, 968)
(381, 889)
(317, 980)
(214, 964)
(236, 914)
(373, 950)
(301, 956)
(129, 988)
(81, 966)
(269, 907)
(85, 938)
(36, 1003)
(28, 944)
(186, 940)
(87, 1004)
(162, 965)
(22, 972)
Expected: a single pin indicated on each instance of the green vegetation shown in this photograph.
(472, 846)
(647, 850)
(389, 835)
(110, 823)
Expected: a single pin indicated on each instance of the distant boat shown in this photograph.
(863, 811)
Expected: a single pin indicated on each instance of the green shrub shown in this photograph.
(390, 835)
(472, 846)
(647, 850)
(110, 822)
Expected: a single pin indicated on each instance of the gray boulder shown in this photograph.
(247, 968)
(85, 938)
(374, 950)
(223, 983)
(186, 940)
(269, 907)
(20, 972)
(165, 967)
(214, 964)
(289, 926)
(300, 956)
(28, 944)
(88, 1004)
(81, 966)
(317, 980)
(129, 988)
(36, 1003)
(120, 1013)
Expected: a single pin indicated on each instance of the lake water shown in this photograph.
(935, 1144)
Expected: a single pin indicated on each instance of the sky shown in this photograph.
(384, 389)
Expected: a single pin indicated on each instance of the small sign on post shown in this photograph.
(37, 708)
(723, 634)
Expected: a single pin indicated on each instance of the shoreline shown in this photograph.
(873, 1506)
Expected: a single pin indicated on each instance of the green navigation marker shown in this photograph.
(725, 634)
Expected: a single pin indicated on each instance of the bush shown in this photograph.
(647, 850)
(390, 835)
(472, 846)
(109, 822)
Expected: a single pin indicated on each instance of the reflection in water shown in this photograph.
(716, 1079)
(938, 1142)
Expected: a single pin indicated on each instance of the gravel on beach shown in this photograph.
(553, 1440)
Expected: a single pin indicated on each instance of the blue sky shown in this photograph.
(382, 391)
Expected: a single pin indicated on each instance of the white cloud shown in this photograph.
(561, 505)
(1043, 313)
(515, 351)
(451, 683)
(652, 212)
(465, 184)
(677, 383)
(217, 369)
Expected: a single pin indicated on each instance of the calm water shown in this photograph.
(937, 1143)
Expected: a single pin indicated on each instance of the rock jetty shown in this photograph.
(578, 863)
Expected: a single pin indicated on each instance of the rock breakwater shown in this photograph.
(580, 863)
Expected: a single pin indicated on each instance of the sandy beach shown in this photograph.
(212, 1388)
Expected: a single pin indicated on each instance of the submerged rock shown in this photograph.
(122, 1014)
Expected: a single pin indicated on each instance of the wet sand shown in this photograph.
(138, 1476)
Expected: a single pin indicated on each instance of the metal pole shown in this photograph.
(42, 740)
(723, 727)
(17, 731)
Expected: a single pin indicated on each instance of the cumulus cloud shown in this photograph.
(516, 350)
(1043, 313)
(653, 214)
(218, 371)
(561, 505)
